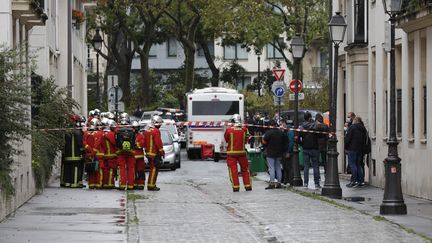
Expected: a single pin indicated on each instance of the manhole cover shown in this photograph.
(354, 199)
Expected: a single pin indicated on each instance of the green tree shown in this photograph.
(14, 103)
(233, 74)
(53, 107)
(185, 17)
(113, 18)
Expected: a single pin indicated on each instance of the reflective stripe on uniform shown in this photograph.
(72, 158)
(141, 156)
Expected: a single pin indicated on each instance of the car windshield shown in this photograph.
(166, 137)
(170, 127)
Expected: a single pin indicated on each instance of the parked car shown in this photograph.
(169, 161)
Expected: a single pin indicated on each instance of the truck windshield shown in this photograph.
(215, 108)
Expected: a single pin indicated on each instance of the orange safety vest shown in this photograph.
(236, 137)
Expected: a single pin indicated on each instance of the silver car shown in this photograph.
(170, 125)
(169, 161)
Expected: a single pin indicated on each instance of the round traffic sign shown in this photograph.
(279, 91)
(292, 85)
(111, 93)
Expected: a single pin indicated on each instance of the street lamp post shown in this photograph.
(332, 187)
(297, 50)
(97, 43)
(393, 202)
(258, 52)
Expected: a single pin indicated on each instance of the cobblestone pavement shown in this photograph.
(68, 215)
(196, 204)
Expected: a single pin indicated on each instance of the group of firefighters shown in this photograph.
(106, 150)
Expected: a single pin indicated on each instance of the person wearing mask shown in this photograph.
(275, 142)
(355, 141)
(309, 141)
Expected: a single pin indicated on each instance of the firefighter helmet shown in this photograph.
(97, 112)
(111, 116)
(236, 119)
(95, 124)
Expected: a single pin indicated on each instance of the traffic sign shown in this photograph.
(111, 93)
(278, 88)
(278, 73)
(292, 85)
(279, 91)
(301, 96)
(120, 107)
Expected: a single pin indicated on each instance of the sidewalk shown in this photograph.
(419, 217)
(68, 215)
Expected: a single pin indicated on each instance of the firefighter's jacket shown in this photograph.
(92, 144)
(73, 146)
(153, 143)
(139, 146)
(236, 137)
(109, 145)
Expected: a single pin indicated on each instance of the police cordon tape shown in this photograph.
(198, 124)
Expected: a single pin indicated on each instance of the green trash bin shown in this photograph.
(258, 163)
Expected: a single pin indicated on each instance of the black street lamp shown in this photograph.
(332, 187)
(297, 50)
(258, 53)
(393, 202)
(97, 44)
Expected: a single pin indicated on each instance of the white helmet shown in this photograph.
(97, 112)
(111, 116)
(156, 120)
(124, 115)
(95, 124)
(135, 124)
(236, 119)
(91, 113)
(112, 124)
(104, 121)
(124, 122)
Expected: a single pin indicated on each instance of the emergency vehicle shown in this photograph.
(211, 107)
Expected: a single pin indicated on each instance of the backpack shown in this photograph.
(125, 139)
(367, 147)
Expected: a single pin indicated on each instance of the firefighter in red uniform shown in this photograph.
(90, 117)
(139, 160)
(91, 142)
(154, 150)
(236, 137)
(125, 138)
(110, 156)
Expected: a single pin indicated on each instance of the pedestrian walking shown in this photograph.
(236, 137)
(154, 150)
(275, 142)
(355, 142)
(309, 141)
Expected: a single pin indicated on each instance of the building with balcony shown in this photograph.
(18, 18)
(364, 71)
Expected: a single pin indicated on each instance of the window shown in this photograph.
(210, 46)
(373, 87)
(153, 51)
(374, 112)
(359, 21)
(172, 47)
(386, 114)
(272, 52)
(215, 108)
(235, 52)
(425, 111)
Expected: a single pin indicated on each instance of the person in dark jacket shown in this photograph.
(355, 141)
(322, 139)
(276, 142)
(311, 152)
(287, 173)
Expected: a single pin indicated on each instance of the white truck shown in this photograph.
(211, 106)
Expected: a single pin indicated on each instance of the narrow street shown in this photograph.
(195, 204)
